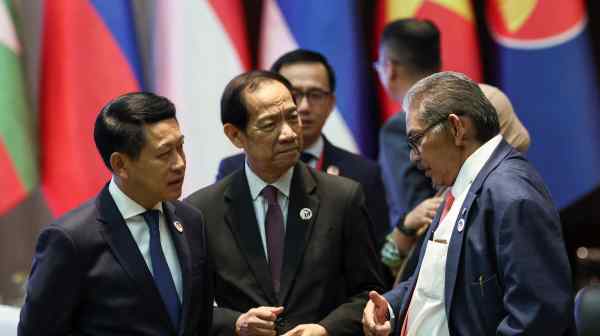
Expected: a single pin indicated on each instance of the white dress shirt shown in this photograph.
(261, 205)
(426, 312)
(132, 214)
(316, 150)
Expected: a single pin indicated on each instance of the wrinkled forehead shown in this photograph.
(268, 97)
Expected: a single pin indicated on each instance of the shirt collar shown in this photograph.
(127, 207)
(473, 165)
(316, 148)
(256, 184)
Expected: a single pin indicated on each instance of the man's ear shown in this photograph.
(118, 163)
(458, 129)
(235, 135)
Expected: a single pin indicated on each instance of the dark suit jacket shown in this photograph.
(329, 263)
(405, 184)
(507, 271)
(352, 166)
(89, 278)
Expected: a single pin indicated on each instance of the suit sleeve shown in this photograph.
(360, 269)
(535, 271)
(53, 286)
(406, 185)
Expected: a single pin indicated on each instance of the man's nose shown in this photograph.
(302, 104)
(179, 161)
(414, 156)
(287, 132)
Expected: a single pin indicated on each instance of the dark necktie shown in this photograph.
(306, 157)
(162, 274)
(275, 234)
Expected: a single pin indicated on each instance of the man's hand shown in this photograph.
(307, 330)
(258, 322)
(375, 316)
(422, 215)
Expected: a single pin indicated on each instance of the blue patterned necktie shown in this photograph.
(162, 274)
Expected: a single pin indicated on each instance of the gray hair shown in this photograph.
(444, 93)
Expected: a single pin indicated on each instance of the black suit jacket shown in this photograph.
(329, 263)
(352, 166)
(89, 278)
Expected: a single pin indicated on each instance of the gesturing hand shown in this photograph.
(375, 316)
(258, 321)
(307, 330)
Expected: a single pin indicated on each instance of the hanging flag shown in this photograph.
(331, 28)
(89, 56)
(544, 63)
(459, 42)
(18, 152)
(199, 46)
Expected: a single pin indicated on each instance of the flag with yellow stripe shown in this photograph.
(456, 21)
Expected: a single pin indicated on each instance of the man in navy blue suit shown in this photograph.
(313, 80)
(494, 261)
(133, 260)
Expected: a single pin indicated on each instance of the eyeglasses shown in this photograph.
(415, 139)
(378, 65)
(314, 96)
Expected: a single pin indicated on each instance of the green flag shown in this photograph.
(18, 152)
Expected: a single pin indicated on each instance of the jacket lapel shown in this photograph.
(298, 230)
(183, 254)
(456, 241)
(241, 218)
(117, 235)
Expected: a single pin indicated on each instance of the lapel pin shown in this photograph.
(306, 214)
(461, 225)
(333, 170)
(178, 226)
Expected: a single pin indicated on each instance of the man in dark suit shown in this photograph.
(132, 261)
(494, 262)
(290, 244)
(410, 51)
(313, 81)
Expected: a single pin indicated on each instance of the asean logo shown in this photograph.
(535, 24)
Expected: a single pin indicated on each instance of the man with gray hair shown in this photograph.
(494, 262)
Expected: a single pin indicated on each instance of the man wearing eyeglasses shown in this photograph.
(494, 261)
(410, 51)
(313, 81)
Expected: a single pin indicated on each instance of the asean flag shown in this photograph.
(199, 46)
(545, 66)
(89, 56)
(458, 35)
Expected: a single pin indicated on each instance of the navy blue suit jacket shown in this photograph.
(507, 272)
(405, 184)
(352, 166)
(89, 278)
